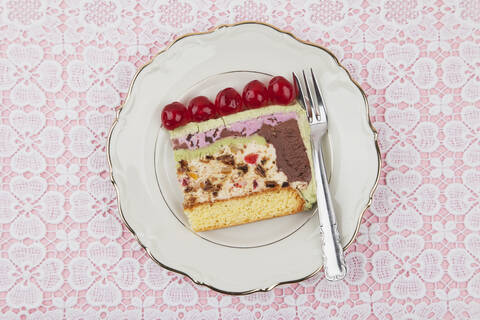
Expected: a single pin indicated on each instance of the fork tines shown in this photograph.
(311, 100)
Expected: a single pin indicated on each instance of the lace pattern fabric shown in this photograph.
(66, 65)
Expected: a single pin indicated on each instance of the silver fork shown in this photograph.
(312, 102)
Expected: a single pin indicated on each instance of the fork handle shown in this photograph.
(333, 256)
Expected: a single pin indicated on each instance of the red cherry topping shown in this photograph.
(251, 158)
(255, 95)
(281, 91)
(174, 115)
(228, 101)
(201, 109)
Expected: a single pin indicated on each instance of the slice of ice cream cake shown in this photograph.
(245, 167)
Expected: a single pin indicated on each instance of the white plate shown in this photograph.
(256, 256)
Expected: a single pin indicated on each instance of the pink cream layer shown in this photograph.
(245, 128)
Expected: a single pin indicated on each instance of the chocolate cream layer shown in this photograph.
(285, 128)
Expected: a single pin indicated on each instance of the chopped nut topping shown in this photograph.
(215, 193)
(188, 189)
(264, 160)
(209, 157)
(243, 168)
(190, 201)
(192, 175)
(227, 159)
(270, 184)
(226, 170)
(208, 186)
(260, 171)
(285, 184)
(234, 148)
(183, 166)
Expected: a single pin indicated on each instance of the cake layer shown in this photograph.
(257, 206)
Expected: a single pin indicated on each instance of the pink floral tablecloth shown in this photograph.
(66, 65)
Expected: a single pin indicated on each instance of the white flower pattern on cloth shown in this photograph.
(403, 137)
(442, 168)
(102, 75)
(345, 312)
(67, 174)
(99, 18)
(410, 311)
(103, 274)
(29, 206)
(36, 273)
(402, 73)
(442, 105)
(444, 231)
(28, 141)
(65, 66)
(366, 234)
(26, 18)
(330, 18)
(29, 76)
(67, 109)
(67, 240)
(406, 266)
(463, 71)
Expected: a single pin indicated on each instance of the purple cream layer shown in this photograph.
(245, 127)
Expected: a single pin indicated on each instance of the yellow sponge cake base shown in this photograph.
(254, 207)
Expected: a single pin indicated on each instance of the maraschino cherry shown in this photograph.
(281, 91)
(174, 115)
(228, 101)
(201, 109)
(255, 95)
(251, 158)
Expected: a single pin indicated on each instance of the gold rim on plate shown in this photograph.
(112, 179)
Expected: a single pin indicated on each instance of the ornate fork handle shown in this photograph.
(334, 260)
